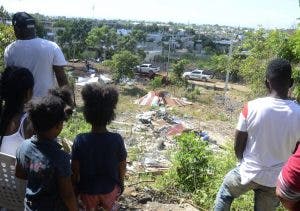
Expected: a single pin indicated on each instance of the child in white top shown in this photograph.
(16, 86)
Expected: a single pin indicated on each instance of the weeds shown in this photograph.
(156, 82)
(193, 95)
(133, 91)
(134, 153)
(196, 170)
(74, 126)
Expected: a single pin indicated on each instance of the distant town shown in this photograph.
(158, 37)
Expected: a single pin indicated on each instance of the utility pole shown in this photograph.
(170, 39)
(168, 56)
(228, 71)
(93, 9)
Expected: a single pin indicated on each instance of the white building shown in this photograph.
(123, 32)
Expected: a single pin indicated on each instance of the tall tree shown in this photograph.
(122, 64)
(6, 37)
(3, 14)
(139, 35)
(263, 46)
(126, 43)
(178, 69)
(72, 35)
(103, 39)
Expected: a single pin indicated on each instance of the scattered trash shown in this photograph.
(155, 162)
(146, 117)
(104, 79)
(161, 145)
(161, 98)
(176, 129)
(91, 71)
(127, 81)
(144, 200)
(81, 81)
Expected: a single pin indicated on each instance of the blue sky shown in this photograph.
(251, 13)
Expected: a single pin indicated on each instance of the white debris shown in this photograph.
(81, 81)
(105, 79)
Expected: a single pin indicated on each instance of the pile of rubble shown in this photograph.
(153, 133)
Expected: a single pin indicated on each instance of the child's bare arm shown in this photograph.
(21, 182)
(75, 174)
(20, 173)
(28, 129)
(75, 171)
(67, 193)
(122, 170)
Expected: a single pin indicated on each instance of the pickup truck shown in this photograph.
(198, 75)
(147, 68)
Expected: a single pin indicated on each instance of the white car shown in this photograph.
(147, 68)
(198, 75)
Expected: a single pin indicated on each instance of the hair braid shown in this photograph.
(14, 85)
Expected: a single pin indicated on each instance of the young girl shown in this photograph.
(99, 156)
(16, 85)
(41, 161)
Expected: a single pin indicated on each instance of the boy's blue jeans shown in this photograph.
(264, 197)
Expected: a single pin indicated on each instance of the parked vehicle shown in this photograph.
(204, 75)
(147, 68)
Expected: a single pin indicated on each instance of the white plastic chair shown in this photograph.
(10, 198)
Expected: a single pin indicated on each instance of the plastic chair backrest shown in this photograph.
(9, 196)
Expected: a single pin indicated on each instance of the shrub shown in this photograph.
(156, 82)
(193, 94)
(197, 171)
(122, 64)
(296, 76)
(75, 125)
(175, 81)
(178, 68)
(190, 169)
(191, 162)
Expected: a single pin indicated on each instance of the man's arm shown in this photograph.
(67, 194)
(61, 76)
(240, 143)
(288, 204)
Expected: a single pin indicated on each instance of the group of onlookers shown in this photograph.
(33, 109)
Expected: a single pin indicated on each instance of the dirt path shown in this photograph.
(149, 200)
(220, 85)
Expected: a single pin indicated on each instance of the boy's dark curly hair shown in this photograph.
(46, 112)
(65, 94)
(99, 103)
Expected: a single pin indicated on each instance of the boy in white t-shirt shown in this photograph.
(266, 135)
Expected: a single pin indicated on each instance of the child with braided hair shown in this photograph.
(16, 86)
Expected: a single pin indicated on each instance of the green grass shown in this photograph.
(74, 126)
(134, 153)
